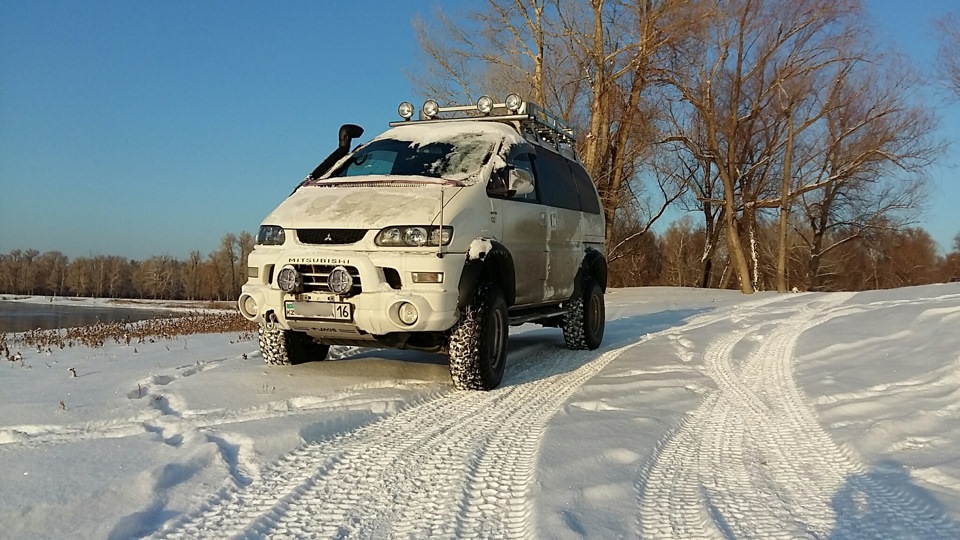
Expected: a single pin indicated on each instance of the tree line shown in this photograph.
(218, 276)
(795, 140)
(670, 258)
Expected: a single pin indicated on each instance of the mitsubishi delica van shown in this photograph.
(436, 235)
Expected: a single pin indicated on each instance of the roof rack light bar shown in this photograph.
(535, 120)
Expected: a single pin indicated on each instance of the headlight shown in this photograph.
(271, 235)
(414, 236)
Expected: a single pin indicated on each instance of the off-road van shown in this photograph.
(436, 235)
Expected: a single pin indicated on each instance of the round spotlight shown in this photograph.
(288, 279)
(340, 281)
(408, 313)
(485, 104)
(406, 110)
(430, 109)
(513, 103)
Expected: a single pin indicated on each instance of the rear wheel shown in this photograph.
(478, 341)
(281, 347)
(585, 319)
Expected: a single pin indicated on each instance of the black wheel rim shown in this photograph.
(497, 339)
(595, 314)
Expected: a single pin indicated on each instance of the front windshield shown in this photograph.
(451, 160)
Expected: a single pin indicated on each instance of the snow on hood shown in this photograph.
(348, 207)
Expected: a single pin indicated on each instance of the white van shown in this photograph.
(436, 235)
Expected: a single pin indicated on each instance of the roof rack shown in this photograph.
(535, 123)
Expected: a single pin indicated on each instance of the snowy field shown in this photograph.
(706, 414)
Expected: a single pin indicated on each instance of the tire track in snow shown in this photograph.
(754, 461)
(458, 465)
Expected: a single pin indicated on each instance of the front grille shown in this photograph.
(330, 237)
(315, 277)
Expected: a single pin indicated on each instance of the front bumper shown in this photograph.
(375, 310)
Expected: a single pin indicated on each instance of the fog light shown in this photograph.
(408, 313)
(248, 306)
(288, 279)
(428, 277)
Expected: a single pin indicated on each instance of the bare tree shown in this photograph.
(948, 57)
(868, 162)
(591, 60)
(731, 110)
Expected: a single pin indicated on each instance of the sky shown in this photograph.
(147, 128)
(703, 414)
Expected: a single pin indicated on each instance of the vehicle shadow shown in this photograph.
(537, 354)
(533, 352)
(884, 503)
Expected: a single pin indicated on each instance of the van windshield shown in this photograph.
(437, 159)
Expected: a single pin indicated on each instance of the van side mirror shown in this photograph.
(498, 186)
(521, 181)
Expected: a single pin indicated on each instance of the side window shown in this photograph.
(589, 201)
(555, 181)
(523, 162)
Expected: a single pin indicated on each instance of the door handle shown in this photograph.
(553, 221)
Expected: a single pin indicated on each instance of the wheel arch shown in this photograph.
(495, 266)
(593, 265)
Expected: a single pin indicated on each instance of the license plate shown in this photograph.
(338, 311)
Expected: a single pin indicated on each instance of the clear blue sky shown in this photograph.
(151, 127)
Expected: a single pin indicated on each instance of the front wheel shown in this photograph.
(585, 319)
(281, 347)
(478, 341)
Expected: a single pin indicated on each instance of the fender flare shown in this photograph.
(594, 264)
(495, 266)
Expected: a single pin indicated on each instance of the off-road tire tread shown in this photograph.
(280, 347)
(463, 345)
(575, 322)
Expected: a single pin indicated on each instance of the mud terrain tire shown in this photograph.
(585, 319)
(286, 348)
(477, 345)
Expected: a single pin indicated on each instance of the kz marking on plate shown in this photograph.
(338, 311)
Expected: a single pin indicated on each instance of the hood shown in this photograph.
(366, 207)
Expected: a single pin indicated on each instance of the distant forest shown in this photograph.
(880, 261)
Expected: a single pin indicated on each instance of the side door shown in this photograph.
(525, 225)
(564, 245)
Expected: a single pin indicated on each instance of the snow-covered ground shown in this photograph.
(705, 414)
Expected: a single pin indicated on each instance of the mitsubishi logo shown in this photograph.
(328, 238)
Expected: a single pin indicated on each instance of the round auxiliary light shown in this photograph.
(408, 313)
(288, 279)
(485, 104)
(340, 281)
(406, 110)
(513, 102)
(430, 108)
